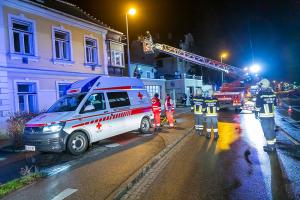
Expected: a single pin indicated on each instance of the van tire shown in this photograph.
(77, 143)
(145, 126)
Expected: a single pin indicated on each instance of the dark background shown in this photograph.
(266, 32)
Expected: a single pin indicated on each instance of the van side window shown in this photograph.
(118, 99)
(96, 102)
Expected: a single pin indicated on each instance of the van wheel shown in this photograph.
(77, 143)
(145, 126)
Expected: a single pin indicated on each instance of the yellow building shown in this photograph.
(47, 44)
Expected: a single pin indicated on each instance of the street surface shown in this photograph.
(234, 167)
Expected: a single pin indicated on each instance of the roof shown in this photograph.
(70, 9)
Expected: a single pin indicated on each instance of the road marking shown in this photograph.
(64, 194)
(2, 158)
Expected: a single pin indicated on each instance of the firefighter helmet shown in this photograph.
(265, 83)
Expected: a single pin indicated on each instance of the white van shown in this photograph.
(93, 109)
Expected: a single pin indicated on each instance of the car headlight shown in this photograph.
(53, 128)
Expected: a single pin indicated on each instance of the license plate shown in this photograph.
(29, 148)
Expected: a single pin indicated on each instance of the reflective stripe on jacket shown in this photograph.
(198, 105)
(211, 106)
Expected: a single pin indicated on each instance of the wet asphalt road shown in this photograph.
(206, 169)
(202, 169)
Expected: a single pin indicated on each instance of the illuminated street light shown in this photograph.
(131, 12)
(255, 68)
(222, 56)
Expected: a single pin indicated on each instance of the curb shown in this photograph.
(125, 187)
(289, 188)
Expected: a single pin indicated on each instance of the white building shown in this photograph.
(147, 74)
(46, 45)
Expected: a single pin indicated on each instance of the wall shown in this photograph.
(44, 45)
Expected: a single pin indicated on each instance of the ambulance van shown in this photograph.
(93, 109)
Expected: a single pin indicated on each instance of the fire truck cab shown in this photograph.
(93, 109)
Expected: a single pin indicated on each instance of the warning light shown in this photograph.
(290, 109)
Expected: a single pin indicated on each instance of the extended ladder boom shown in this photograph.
(149, 47)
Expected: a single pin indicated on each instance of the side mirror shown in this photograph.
(89, 108)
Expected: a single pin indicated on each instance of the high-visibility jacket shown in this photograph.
(265, 103)
(169, 105)
(198, 105)
(156, 105)
(211, 107)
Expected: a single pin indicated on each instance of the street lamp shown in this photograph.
(223, 56)
(131, 12)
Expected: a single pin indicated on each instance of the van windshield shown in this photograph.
(66, 103)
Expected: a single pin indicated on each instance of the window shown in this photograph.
(97, 100)
(62, 45)
(148, 74)
(27, 97)
(117, 58)
(91, 51)
(62, 89)
(67, 103)
(118, 99)
(22, 37)
(152, 89)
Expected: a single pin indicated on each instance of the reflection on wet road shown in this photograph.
(234, 167)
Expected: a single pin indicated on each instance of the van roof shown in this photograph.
(106, 83)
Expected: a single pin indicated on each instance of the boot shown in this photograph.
(208, 135)
(200, 132)
(269, 148)
(216, 136)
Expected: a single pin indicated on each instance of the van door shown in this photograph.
(120, 106)
(94, 114)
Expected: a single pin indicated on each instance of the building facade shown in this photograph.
(146, 73)
(47, 45)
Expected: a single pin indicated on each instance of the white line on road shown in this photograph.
(64, 194)
(2, 158)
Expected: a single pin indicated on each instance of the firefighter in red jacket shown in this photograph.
(169, 108)
(156, 108)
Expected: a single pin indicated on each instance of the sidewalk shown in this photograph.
(288, 152)
(5, 143)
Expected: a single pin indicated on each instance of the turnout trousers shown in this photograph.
(199, 119)
(212, 124)
(156, 123)
(268, 127)
(170, 118)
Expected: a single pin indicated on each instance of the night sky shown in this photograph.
(266, 32)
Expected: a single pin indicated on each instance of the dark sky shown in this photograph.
(266, 32)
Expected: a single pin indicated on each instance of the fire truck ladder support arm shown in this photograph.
(150, 47)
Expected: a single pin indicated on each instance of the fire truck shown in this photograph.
(231, 95)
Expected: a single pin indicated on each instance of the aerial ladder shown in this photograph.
(228, 95)
(149, 47)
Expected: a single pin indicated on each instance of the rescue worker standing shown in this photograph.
(156, 108)
(169, 108)
(211, 107)
(198, 112)
(265, 107)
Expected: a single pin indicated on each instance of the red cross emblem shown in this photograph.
(140, 95)
(98, 126)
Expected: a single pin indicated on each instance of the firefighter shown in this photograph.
(169, 108)
(156, 108)
(265, 107)
(210, 108)
(198, 112)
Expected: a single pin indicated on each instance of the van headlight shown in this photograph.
(53, 128)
